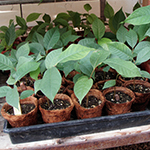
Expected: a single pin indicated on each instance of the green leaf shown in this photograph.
(109, 83)
(131, 38)
(20, 32)
(143, 55)
(140, 16)
(37, 85)
(108, 11)
(87, 7)
(47, 18)
(12, 97)
(10, 80)
(32, 17)
(37, 48)
(23, 50)
(121, 34)
(10, 35)
(82, 87)
(51, 38)
(4, 90)
(52, 58)
(120, 50)
(118, 18)
(74, 52)
(26, 94)
(34, 74)
(21, 22)
(5, 63)
(3, 28)
(68, 37)
(142, 31)
(38, 38)
(136, 6)
(61, 21)
(145, 74)
(91, 18)
(51, 83)
(24, 66)
(98, 57)
(140, 46)
(147, 32)
(98, 28)
(124, 68)
(103, 42)
(111, 25)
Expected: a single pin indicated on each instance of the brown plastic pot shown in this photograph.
(58, 115)
(114, 108)
(82, 112)
(24, 119)
(141, 99)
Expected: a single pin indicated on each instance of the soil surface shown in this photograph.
(58, 104)
(25, 108)
(91, 103)
(101, 75)
(118, 98)
(136, 78)
(139, 88)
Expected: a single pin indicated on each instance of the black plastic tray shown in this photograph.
(76, 127)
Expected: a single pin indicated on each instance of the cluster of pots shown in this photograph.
(138, 102)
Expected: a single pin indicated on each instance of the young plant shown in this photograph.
(19, 63)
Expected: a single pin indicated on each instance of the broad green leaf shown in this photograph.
(117, 19)
(124, 68)
(87, 7)
(37, 85)
(20, 32)
(10, 35)
(25, 66)
(147, 32)
(131, 38)
(4, 90)
(120, 50)
(34, 74)
(140, 16)
(10, 80)
(103, 43)
(91, 18)
(68, 37)
(82, 87)
(89, 42)
(121, 34)
(109, 83)
(21, 22)
(3, 28)
(76, 77)
(12, 97)
(37, 48)
(5, 63)
(61, 21)
(32, 17)
(142, 31)
(51, 83)
(98, 57)
(26, 94)
(47, 18)
(111, 25)
(74, 52)
(143, 55)
(51, 38)
(38, 38)
(86, 66)
(108, 11)
(52, 58)
(63, 16)
(140, 46)
(145, 74)
(98, 28)
(23, 50)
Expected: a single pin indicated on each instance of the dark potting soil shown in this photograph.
(58, 104)
(25, 108)
(139, 88)
(92, 102)
(101, 75)
(136, 78)
(118, 98)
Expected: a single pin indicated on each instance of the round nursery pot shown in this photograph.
(21, 120)
(83, 112)
(113, 107)
(56, 115)
(141, 98)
